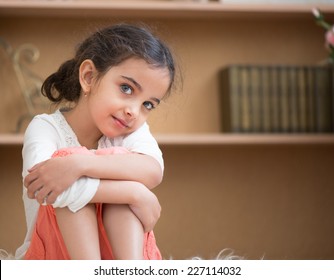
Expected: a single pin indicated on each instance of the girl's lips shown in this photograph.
(120, 122)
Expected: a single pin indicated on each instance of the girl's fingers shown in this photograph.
(51, 198)
(33, 188)
(42, 194)
(29, 179)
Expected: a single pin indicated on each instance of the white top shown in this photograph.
(48, 133)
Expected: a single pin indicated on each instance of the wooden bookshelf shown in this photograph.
(245, 139)
(259, 194)
(11, 139)
(217, 139)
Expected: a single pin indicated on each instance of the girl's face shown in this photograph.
(120, 102)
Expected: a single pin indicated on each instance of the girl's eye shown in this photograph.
(148, 105)
(126, 89)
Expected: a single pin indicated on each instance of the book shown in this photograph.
(293, 123)
(277, 98)
(229, 99)
(274, 99)
(301, 98)
(323, 99)
(244, 100)
(310, 111)
(255, 99)
(265, 100)
(284, 100)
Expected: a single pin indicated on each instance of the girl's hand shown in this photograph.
(50, 178)
(146, 207)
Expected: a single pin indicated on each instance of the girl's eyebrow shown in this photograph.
(157, 100)
(133, 81)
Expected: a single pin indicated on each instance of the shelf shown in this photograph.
(154, 9)
(217, 139)
(244, 139)
(11, 139)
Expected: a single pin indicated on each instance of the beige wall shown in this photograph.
(12, 218)
(274, 202)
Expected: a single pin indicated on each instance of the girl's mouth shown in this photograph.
(121, 123)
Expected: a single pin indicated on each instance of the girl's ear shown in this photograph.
(87, 73)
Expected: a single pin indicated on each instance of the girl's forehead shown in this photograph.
(139, 68)
(135, 62)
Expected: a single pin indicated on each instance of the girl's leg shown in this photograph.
(125, 232)
(80, 232)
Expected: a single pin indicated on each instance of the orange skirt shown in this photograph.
(47, 242)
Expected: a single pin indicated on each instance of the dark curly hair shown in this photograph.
(108, 47)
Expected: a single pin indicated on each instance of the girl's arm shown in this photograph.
(53, 176)
(133, 167)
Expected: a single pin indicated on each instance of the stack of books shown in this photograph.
(277, 98)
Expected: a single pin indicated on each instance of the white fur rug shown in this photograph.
(226, 254)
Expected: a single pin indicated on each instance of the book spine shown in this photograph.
(301, 92)
(265, 100)
(235, 93)
(323, 99)
(245, 99)
(293, 100)
(274, 99)
(284, 99)
(229, 99)
(310, 99)
(255, 98)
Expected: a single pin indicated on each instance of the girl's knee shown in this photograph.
(116, 212)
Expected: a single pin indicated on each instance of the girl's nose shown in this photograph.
(132, 111)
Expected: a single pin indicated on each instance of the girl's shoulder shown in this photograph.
(52, 118)
(41, 121)
(52, 125)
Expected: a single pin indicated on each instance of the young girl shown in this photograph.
(118, 75)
